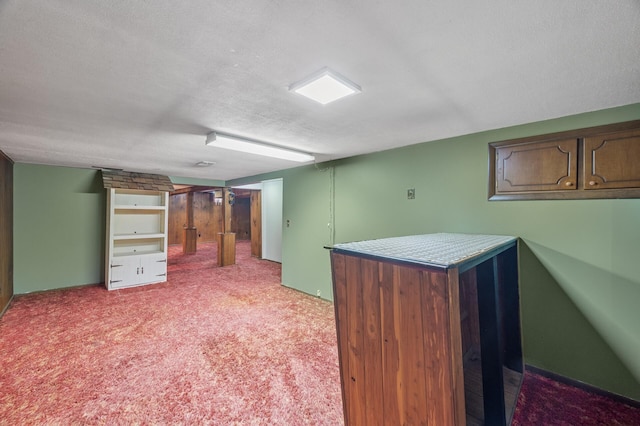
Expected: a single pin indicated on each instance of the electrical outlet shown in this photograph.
(411, 193)
(318, 293)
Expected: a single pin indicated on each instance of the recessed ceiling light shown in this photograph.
(325, 86)
(205, 163)
(237, 143)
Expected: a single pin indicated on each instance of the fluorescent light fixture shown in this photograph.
(237, 143)
(325, 86)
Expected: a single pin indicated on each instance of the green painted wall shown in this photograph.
(580, 275)
(59, 227)
(194, 181)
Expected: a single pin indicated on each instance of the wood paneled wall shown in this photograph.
(241, 218)
(6, 231)
(177, 217)
(207, 217)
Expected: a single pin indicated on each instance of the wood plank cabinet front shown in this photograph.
(431, 345)
(598, 162)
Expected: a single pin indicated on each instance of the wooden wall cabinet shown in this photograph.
(598, 162)
(136, 238)
(538, 166)
(428, 329)
(612, 161)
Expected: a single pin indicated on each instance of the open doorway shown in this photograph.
(266, 202)
(252, 212)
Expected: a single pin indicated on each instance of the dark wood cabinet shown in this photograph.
(612, 161)
(597, 162)
(428, 329)
(537, 166)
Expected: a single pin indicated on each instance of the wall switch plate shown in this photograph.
(411, 193)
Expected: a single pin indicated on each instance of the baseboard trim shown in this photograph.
(48, 290)
(584, 386)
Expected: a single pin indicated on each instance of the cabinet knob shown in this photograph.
(568, 184)
(592, 183)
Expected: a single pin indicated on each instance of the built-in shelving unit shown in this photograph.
(136, 237)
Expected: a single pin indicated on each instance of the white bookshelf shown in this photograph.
(137, 224)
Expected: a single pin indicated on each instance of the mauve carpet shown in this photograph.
(219, 346)
(211, 346)
(544, 401)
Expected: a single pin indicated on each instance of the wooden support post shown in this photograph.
(227, 210)
(226, 239)
(190, 240)
(226, 248)
(256, 223)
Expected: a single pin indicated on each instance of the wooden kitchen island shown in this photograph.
(428, 329)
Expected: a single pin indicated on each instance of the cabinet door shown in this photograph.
(612, 161)
(537, 166)
(153, 268)
(125, 272)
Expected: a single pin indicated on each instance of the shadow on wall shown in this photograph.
(569, 305)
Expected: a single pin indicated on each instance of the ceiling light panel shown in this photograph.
(253, 147)
(325, 86)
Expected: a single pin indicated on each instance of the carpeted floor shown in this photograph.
(544, 401)
(212, 346)
(219, 346)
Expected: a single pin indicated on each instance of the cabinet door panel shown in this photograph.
(153, 268)
(125, 271)
(612, 161)
(538, 166)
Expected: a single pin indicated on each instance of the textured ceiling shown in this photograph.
(138, 84)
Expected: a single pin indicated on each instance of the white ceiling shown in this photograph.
(138, 84)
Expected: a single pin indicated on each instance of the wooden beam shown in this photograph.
(256, 223)
(190, 210)
(243, 193)
(195, 188)
(190, 241)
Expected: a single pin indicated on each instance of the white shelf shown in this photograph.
(132, 197)
(136, 207)
(137, 236)
(139, 221)
(138, 253)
